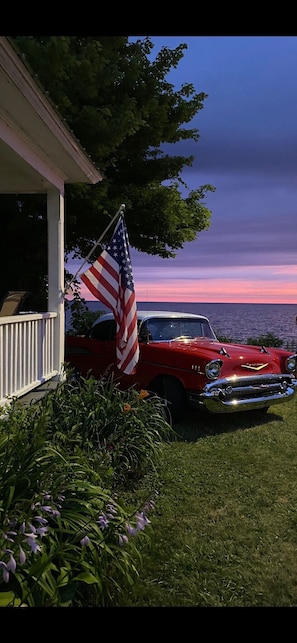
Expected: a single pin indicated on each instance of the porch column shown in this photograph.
(55, 221)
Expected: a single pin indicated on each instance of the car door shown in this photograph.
(94, 354)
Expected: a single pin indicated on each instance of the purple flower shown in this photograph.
(131, 530)
(5, 571)
(22, 556)
(112, 509)
(47, 508)
(123, 539)
(23, 528)
(141, 521)
(30, 540)
(85, 541)
(41, 531)
(11, 565)
(103, 522)
(150, 505)
(42, 521)
(50, 510)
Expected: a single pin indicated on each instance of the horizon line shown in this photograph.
(162, 301)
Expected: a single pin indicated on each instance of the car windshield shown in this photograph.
(158, 329)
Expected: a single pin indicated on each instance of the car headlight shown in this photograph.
(291, 364)
(213, 369)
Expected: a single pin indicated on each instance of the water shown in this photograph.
(237, 321)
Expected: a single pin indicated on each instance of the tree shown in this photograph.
(115, 98)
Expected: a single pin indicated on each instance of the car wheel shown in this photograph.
(172, 391)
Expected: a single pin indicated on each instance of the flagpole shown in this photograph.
(118, 213)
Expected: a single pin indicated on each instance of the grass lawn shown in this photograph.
(224, 531)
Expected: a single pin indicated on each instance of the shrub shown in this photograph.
(265, 340)
(61, 533)
(65, 535)
(224, 338)
(81, 317)
(122, 430)
(262, 340)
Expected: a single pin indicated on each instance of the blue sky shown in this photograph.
(248, 151)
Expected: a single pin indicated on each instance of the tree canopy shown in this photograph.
(114, 96)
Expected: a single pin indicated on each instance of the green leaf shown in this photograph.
(87, 577)
(8, 599)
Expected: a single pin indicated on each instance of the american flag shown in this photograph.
(110, 280)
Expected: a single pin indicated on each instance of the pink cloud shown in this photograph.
(213, 290)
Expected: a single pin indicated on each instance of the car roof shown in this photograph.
(148, 314)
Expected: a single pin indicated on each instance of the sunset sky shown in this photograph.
(248, 151)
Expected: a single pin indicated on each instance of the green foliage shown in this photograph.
(81, 317)
(265, 340)
(125, 427)
(66, 536)
(225, 339)
(114, 96)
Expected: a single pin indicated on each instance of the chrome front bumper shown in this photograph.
(234, 394)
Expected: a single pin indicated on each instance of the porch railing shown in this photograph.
(26, 353)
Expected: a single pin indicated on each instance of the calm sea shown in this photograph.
(238, 321)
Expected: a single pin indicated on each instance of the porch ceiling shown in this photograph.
(37, 149)
(17, 175)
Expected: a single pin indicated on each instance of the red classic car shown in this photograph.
(182, 361)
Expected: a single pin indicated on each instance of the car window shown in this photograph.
(168, 329)
(104, 331)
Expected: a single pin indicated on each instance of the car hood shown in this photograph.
(235, 357)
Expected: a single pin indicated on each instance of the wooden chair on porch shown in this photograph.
(12, 303)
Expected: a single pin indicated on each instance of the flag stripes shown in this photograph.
(110, 280)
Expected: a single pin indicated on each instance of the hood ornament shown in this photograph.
(223, 352)
(254, 367)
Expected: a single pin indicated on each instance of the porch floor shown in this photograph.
(38, 393)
